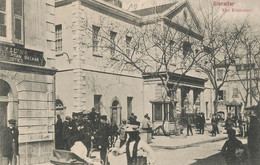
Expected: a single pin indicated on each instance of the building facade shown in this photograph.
(27, 78)
(85, 78)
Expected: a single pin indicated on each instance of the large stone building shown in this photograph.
(27, 90)
(85, 79)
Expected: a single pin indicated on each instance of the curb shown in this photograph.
(189, 145)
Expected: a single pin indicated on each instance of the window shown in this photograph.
(58, 34)
(158, 112)
(128, 43)
(18, 21)
(220, 74)
(186, 47)
(95, 31)
(3, 18)
(97, 102)
(11, 21)
(129, 106)
(112, 42)
(222, 95)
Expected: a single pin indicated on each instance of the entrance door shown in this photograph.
(115, 112)
(5, 97)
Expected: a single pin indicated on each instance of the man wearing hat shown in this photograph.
(136, 149)
(87, 132)
(103, 142)
(66, 132)
(11, 145)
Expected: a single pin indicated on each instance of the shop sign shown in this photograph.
(21, 55)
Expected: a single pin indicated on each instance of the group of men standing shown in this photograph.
(91, 129)
(200, 123)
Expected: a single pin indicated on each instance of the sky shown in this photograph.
(252, 7)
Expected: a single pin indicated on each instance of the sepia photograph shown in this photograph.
(129, 82)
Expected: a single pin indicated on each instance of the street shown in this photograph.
(208, 153)
(204, 154)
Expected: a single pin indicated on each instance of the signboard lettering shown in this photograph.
(21, 55)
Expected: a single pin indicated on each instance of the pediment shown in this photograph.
(184, 16)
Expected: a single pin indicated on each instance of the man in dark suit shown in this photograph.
(103, 137)
(58, 133)
(66, 132)
(11, 145)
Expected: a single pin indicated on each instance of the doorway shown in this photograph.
(5, 97)
(116, 112)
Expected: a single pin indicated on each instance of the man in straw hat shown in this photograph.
(136, 149)
(10, 145)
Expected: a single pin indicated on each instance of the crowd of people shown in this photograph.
(94, 131)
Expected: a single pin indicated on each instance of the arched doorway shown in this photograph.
(6, 109)
(116, 112)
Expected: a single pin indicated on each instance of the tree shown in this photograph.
(221, 42)
(248, 64)
(157, 48)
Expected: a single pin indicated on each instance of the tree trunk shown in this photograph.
(215, 102)
(164, 119)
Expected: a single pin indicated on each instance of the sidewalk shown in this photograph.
(183, 141)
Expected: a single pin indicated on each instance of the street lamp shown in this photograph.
(61, 54)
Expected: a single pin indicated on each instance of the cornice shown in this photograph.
(135, 19)
(26, 68)
(102, 6)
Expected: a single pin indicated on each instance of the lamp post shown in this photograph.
(61, 54)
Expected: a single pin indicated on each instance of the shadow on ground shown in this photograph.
(216, 159)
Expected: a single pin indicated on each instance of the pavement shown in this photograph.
(178, 142)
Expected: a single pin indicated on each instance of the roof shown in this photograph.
(154, 10)
(233, 103)
(253, 107)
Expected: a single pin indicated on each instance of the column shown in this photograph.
(178, 97)
(202, 103)
(191, 101)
